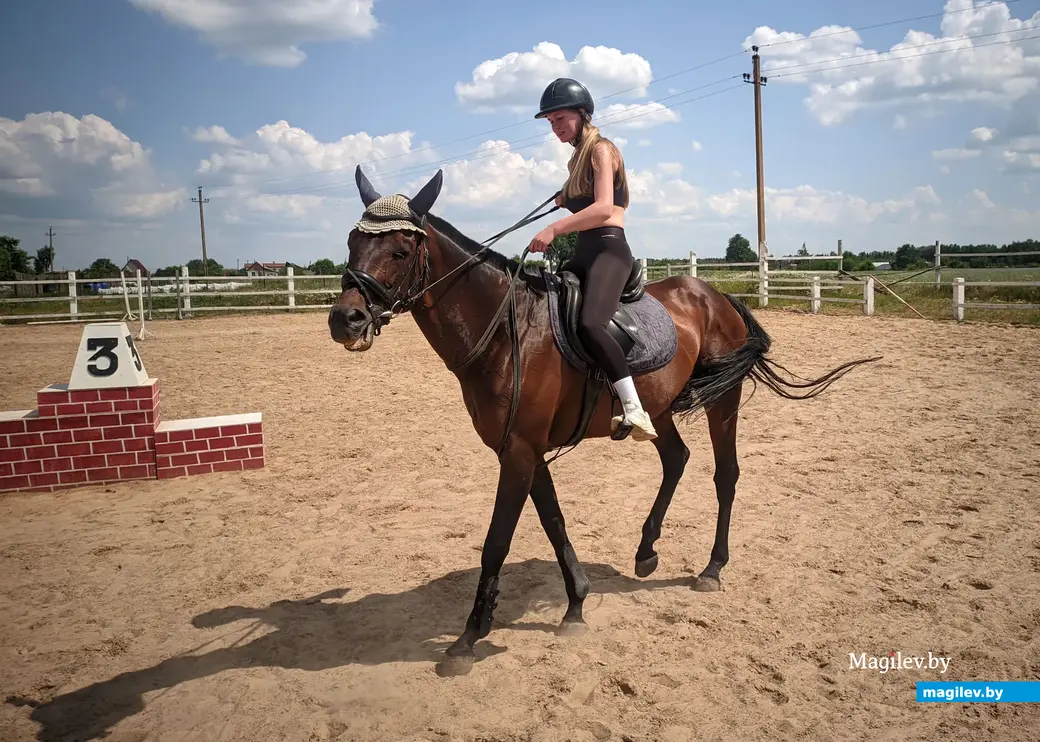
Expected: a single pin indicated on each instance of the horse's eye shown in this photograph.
(400, 254)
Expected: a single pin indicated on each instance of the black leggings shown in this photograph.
(603, 262)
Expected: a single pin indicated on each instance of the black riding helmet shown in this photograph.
(565, 93)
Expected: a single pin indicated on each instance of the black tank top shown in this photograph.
(574, 205)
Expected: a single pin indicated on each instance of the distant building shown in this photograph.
(263, 269)
(882, 266)
(133, 265)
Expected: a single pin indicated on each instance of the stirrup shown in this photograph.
(623, 426)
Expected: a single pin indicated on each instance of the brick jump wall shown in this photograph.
(94, 436)
(89, 436)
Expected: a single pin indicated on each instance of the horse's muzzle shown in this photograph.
(351, 327)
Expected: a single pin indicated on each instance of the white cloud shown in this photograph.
(55, 163)
(670, 168)
(812, 205)
(516, 81)
(268, 32)
(983, 133)
(955, 153)
(697, 146)
(637, 115)
(213, 135)
(985, 72)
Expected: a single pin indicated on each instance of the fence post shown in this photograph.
(938, 264)
(841, 256)
(814, 295)
(642, 265)
(693, 264)
(763, 280)
(958, 299)
(291, 287)
(73, 304)
(187, 290)
(868, 296)
(669, 270)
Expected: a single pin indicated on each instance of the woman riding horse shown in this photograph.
(596, 194)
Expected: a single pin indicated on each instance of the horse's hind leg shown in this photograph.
(674, 455)
(722, 425)
(543, 493)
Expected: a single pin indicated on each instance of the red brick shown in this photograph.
(100, 475)
(253, 464)
(25, 439)
(201, 469)
(40, 452)
(89, 462)
(163, 462)
(116, 433)
(47, 410)
(44, 480)
(6, 470)
(11, 427)
(148, 405)
(104, 421)
(237, 453)
(151, 470)
(100, 408)
(125, 405)
(58, 465)
(72, 477)
(122, 459)
(185, 459)
(74, 449)
(12, 454)
(170, 473)
(179, 435)
(209, 457)
(71, 423)
(72, 409)
(141, 392)
(12, 483)
(113, 395)
(101, 448)
(144, 431)
(138, 444)
(41, 424)
(53, 398)
(256, 427)
(215, 443)
(145, 457)
(88, 434)
(58, 436)
(28, 467)
(133, 472)
(85, 395)
(190, 446)
(228, 466)
(249, 440)
(207, 432)
(233, 430)
(169, 449)
(133, 418)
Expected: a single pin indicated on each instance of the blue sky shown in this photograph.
(111, 113)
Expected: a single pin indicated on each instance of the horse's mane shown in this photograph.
(470, 245)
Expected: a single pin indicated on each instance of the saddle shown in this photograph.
(641, 326)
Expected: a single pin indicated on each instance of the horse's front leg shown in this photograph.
(514, 483)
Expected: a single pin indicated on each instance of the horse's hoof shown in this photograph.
(453, 667)
(707, 584)
(646, 567)
(572, 628)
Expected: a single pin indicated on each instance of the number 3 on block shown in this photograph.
(107, 357)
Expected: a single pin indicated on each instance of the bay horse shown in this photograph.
(525, 398)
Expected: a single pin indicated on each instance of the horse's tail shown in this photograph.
(713, 378)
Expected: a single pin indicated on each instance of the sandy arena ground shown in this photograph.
(310, 600)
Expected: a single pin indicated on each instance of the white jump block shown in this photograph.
(107, 358)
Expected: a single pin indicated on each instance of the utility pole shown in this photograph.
(50, 244)
(202, 225)
(763, 252)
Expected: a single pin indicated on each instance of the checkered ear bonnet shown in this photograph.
(388, 213)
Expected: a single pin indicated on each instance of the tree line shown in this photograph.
(906, 257)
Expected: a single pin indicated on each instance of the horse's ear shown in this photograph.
(424, 199)
(368, 193)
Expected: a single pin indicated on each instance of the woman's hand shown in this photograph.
(559, 199)
(542, 240)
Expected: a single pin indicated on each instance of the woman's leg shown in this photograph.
(607, 267)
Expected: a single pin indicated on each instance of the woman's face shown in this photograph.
(565, 124)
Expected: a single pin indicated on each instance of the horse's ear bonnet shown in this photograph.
(394, 212)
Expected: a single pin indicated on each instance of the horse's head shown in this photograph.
(388, 264)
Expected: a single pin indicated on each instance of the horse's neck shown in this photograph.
(455, 313)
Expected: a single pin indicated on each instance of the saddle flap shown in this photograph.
(635, 286)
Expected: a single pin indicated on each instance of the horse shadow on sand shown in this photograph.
(313, 634)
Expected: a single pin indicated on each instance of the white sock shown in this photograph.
(626, 389)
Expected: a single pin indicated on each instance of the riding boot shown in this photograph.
(633, 413)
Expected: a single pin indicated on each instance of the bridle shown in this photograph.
(392, 302)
